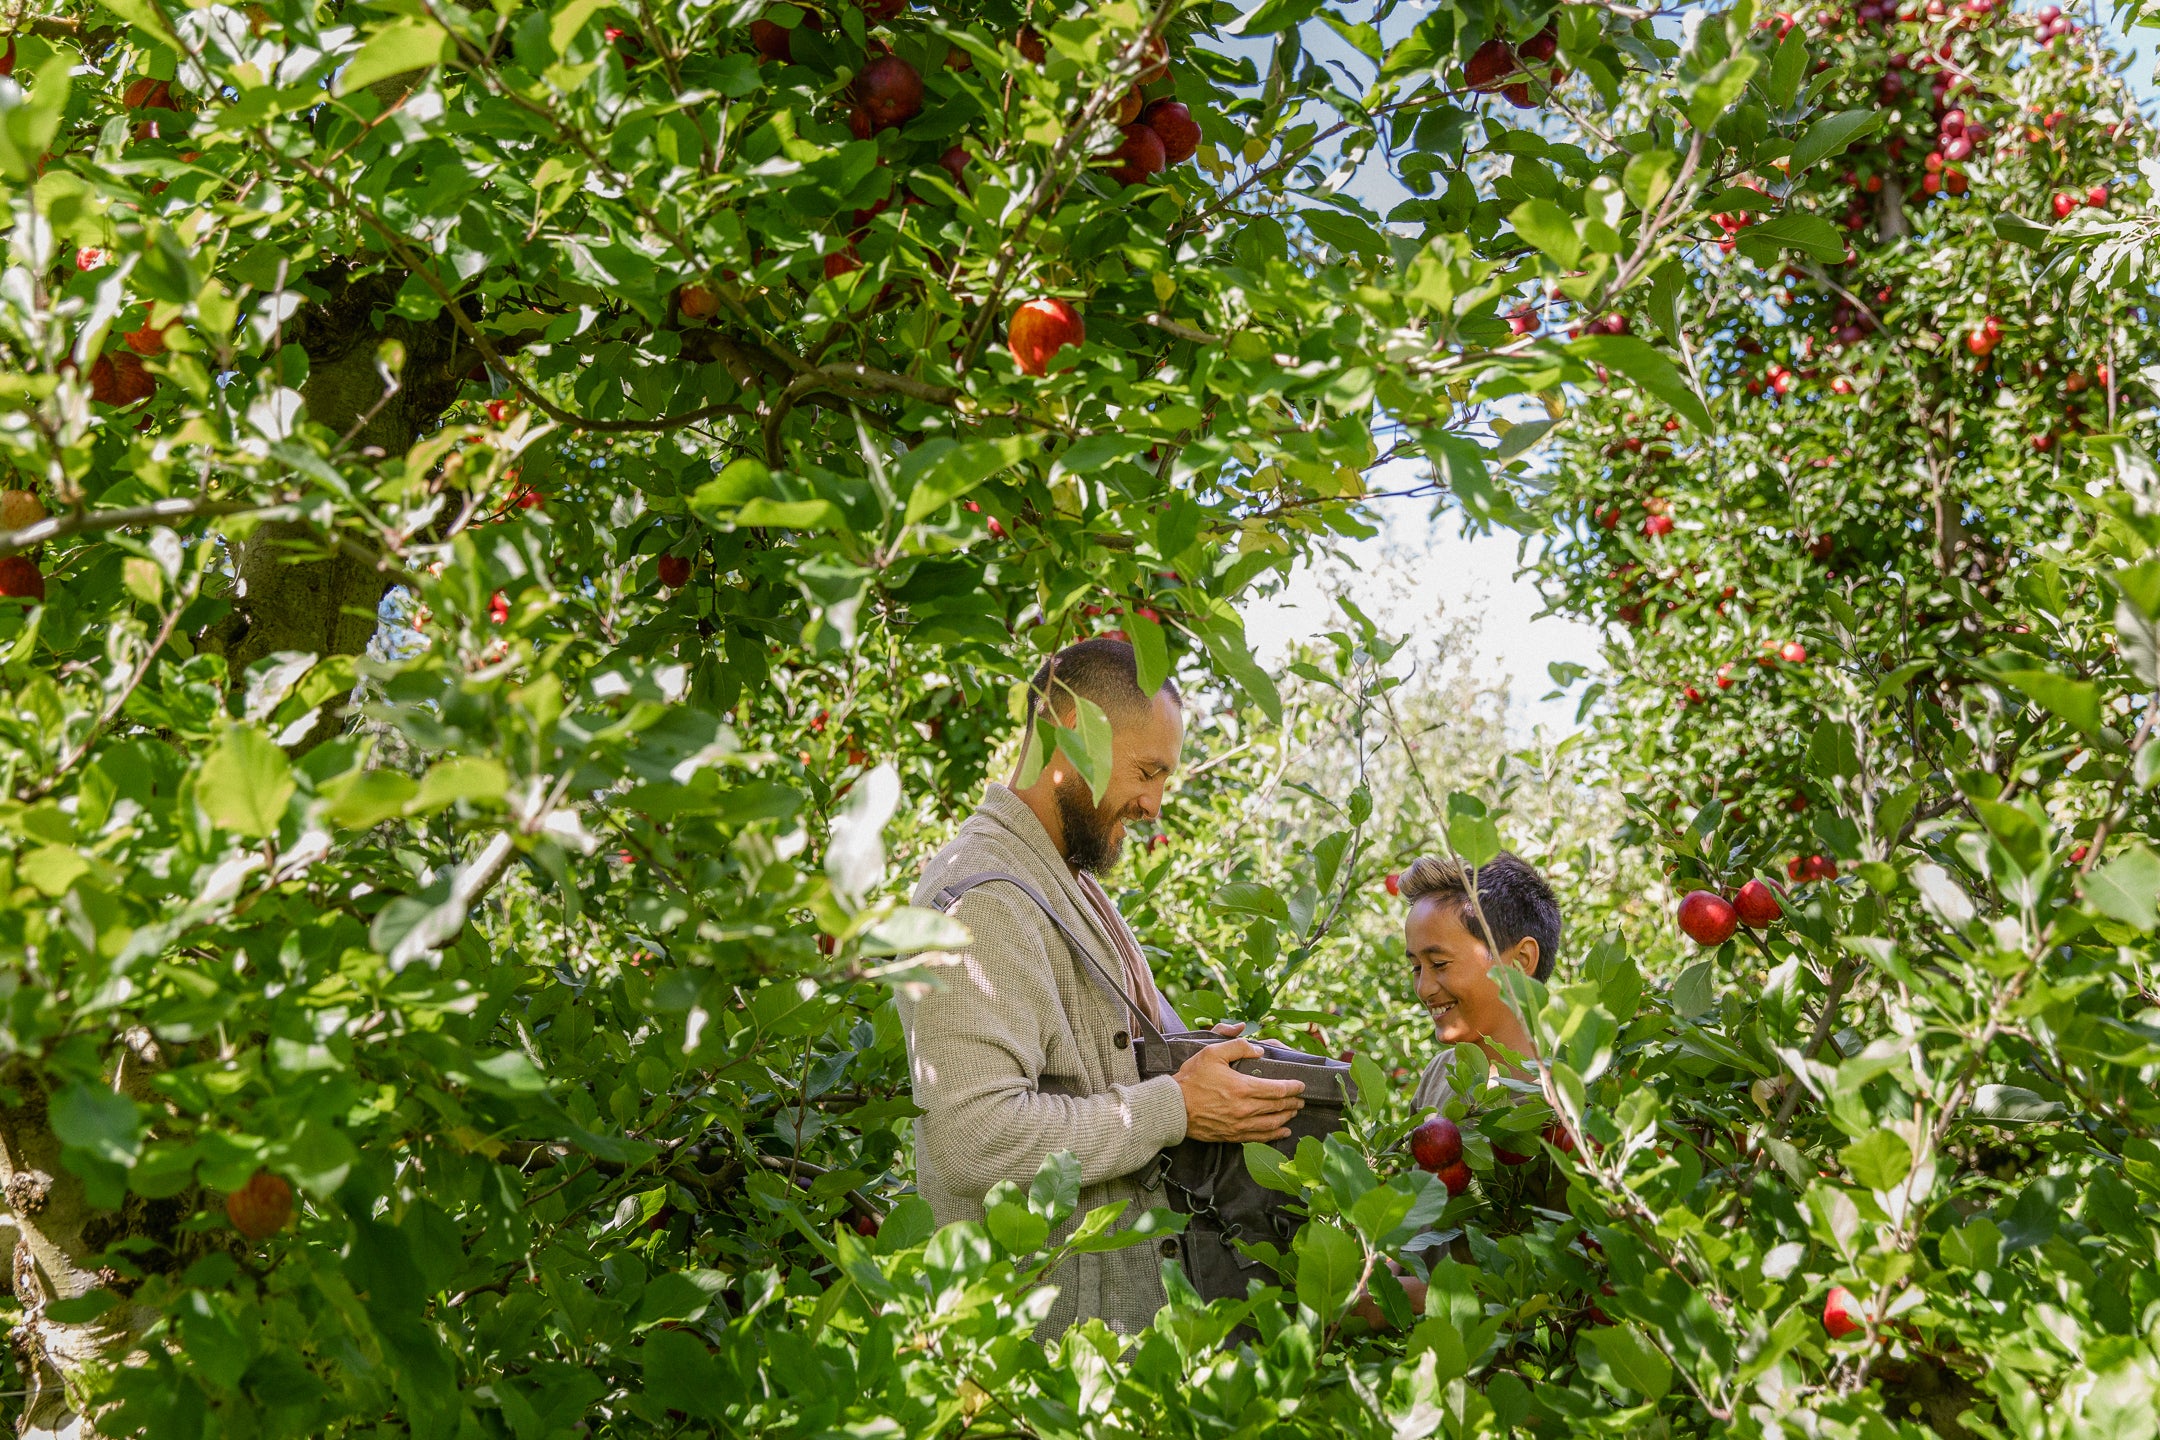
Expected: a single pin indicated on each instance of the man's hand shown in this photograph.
(1221, 1104)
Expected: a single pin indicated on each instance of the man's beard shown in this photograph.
(1089, 844)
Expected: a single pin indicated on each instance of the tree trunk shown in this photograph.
(325, 605)
(289, 595)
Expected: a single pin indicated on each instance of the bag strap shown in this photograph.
(949, 896)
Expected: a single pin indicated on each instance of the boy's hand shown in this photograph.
(1222, 1105)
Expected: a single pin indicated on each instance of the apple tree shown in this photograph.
(1885, 644)
(505, 504)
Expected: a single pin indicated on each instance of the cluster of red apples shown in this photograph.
(1436, 1147)
(1708, 918)
(1498, 68)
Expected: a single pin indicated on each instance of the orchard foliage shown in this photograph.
(476, 1025)
(1888, 641)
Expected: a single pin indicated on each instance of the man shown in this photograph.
(1016, 1050)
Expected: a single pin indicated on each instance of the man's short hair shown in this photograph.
(1513, 898)
(1102, 669)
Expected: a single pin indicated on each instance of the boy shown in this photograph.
(1455, 959)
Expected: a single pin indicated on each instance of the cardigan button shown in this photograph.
(1120, 1040)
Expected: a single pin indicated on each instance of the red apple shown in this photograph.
(696, 302)
(890, 91)
(144, 93)
(1139, 154)
(2097, 197)
(866, 1224)
(1541, 46)
(1509, 1157)
(1757, 905)
(20, 509)
(1030, 44)
(1559, 1137)
(1393, 882)
(20, 579)
(1456, 1177)
(261, 1207)
(953, 162)
(842, 262)
(1707, 919)
(118, 378)
(1436, 1144)
(776, 43)
(1490, 64)
(1841, 1313)
(674, 571)
(1658, 525)
(2064, 204)
(1792, 652)
(1129, 106)
(1174, 123)
(1039, 329)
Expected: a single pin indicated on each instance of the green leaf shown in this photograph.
(2125, 888)
(940, 471)
(245, 783)
(1225, 641)
(1087, 745)
(1879, 1160)
(1267, 1165)
(1794, 230)
(1272, 15)
(400, 46)
(1550, 228)
(1632, 1360)
(28, 122)
(1056, 1188)
(367, 798)
(475, 779)
(1828, 136)
(1693, 991)
(2076, 702)
(2013, 1105)
(1329, 1262)
(93, 1118)
(1253, 897)
(1648, 368)
(1715, 93)
(678, 1295)
(1151, 652)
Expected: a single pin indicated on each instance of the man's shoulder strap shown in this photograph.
(949, 895)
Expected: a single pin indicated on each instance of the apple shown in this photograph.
(1757, 905)
(500, 411)
(144, 93)
(1436, 1144)
(20, 509)
(1039, 329)
(2064, 204)
(1157, 840)
(1657, 525)
(499, 608)
(2043, 443)
(1558, 1136)
(1393, 883)
(1841, 1311)
(1841, 386)
(877, 12)
(20, 579)
(890, 91)
(1490, 64)
(261, 1207)
(866, 1224)
(1724, 677)
(1174, 123)
(696, 302)
(119, 379)
(842, 262)
(1707, 919)
(1792, 652)
(89, 258)
(1509, 1157)
(775, 42)
(7, 58)
(1139, 154)
(1129, 106)
(1456, 1177)
(2097, 197)
(674, 571)
(1030, 44)
(1542, 46)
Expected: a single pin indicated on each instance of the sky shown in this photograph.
(1452, 578)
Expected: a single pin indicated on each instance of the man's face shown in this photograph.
(1456, 977)
(1144, 748)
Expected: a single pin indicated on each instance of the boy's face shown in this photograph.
(1455, 974)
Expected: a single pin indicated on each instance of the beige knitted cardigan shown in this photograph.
(1016, 1055)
